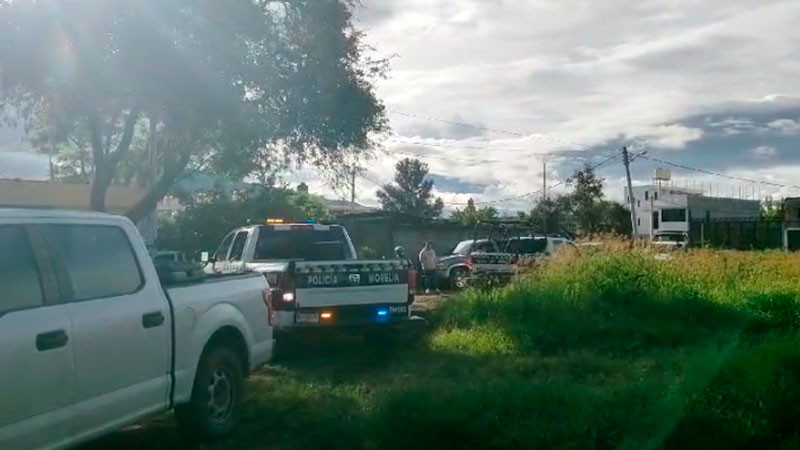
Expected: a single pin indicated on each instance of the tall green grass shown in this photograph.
(601, 351)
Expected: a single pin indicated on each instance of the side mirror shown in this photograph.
(204, 257)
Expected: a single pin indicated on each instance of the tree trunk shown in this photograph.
(106, 164)
(148, 203)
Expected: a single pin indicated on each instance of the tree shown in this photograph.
(584, 201)
(471, 215)
(234, 87)
(206, 221)
(581, 211)
(551, 215)
(410, 193)
(772, 209)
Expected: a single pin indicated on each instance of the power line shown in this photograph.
(492, 130)
(460, 124)
(508, 199)
(557, 153)
(539, 191)
(717, 174)
(446, 158)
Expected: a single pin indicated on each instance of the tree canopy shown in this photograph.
(208, 218)
(411, 193)
(240, 88)
(471, 215)
(582, 211)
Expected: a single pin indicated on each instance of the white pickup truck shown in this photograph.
(90, 341)
(317, 279)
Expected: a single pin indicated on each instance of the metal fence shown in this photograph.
(741, 234)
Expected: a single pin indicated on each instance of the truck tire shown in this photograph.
(459, 278)
(217, 395)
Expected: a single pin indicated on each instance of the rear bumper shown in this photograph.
(376, 315)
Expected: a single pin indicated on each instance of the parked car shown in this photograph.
(91, 341)
(477, 259)
(317, 277)
(670, 240)
(528, 249)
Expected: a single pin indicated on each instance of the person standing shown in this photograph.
(428, 261)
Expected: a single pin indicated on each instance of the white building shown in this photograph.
(670, 208)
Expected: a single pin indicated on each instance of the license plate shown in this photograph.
(398, 309)
(307, 318)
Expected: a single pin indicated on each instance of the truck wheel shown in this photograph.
(459, 278)
(216, 396)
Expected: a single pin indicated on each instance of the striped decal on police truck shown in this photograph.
(350, 273)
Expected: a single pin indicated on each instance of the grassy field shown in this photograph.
(611, 350)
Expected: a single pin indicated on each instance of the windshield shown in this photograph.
(305, 244)
(463, 248)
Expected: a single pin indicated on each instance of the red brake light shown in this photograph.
(267, 295)
(412, 281)
(469, 261)
(283, 291)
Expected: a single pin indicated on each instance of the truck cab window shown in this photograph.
(237, 249)
(303, 244)
(19, 276)
(99, 260)
(486, 247)
(222, 251)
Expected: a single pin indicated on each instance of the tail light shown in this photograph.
(267, 294)
(283, 292)
(470, 262)
(412, 285)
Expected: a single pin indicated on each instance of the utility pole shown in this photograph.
(627, 161)
(353, 189)
(544, 195)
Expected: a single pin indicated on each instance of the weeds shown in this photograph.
(607, 350)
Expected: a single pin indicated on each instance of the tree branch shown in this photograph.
(97, 140)
(106, 166)
(127, 137)
(148, 203)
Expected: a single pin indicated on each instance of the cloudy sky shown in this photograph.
(707, 84)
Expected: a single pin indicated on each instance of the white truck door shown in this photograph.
(121, 325)
(35, 349)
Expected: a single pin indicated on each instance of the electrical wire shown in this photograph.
(717, 174)
(508, 199)
(492, 130)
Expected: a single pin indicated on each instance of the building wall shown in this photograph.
(723, 208)
(651, 198)
(412, 237)
(382, 234)
(43, 194)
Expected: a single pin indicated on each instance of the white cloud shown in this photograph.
(593, 73)
(581, 72)
(764, 151)
(785, 126)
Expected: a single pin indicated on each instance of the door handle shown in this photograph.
(51, 340)
(153, 319)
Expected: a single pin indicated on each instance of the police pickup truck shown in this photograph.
(316, 277)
